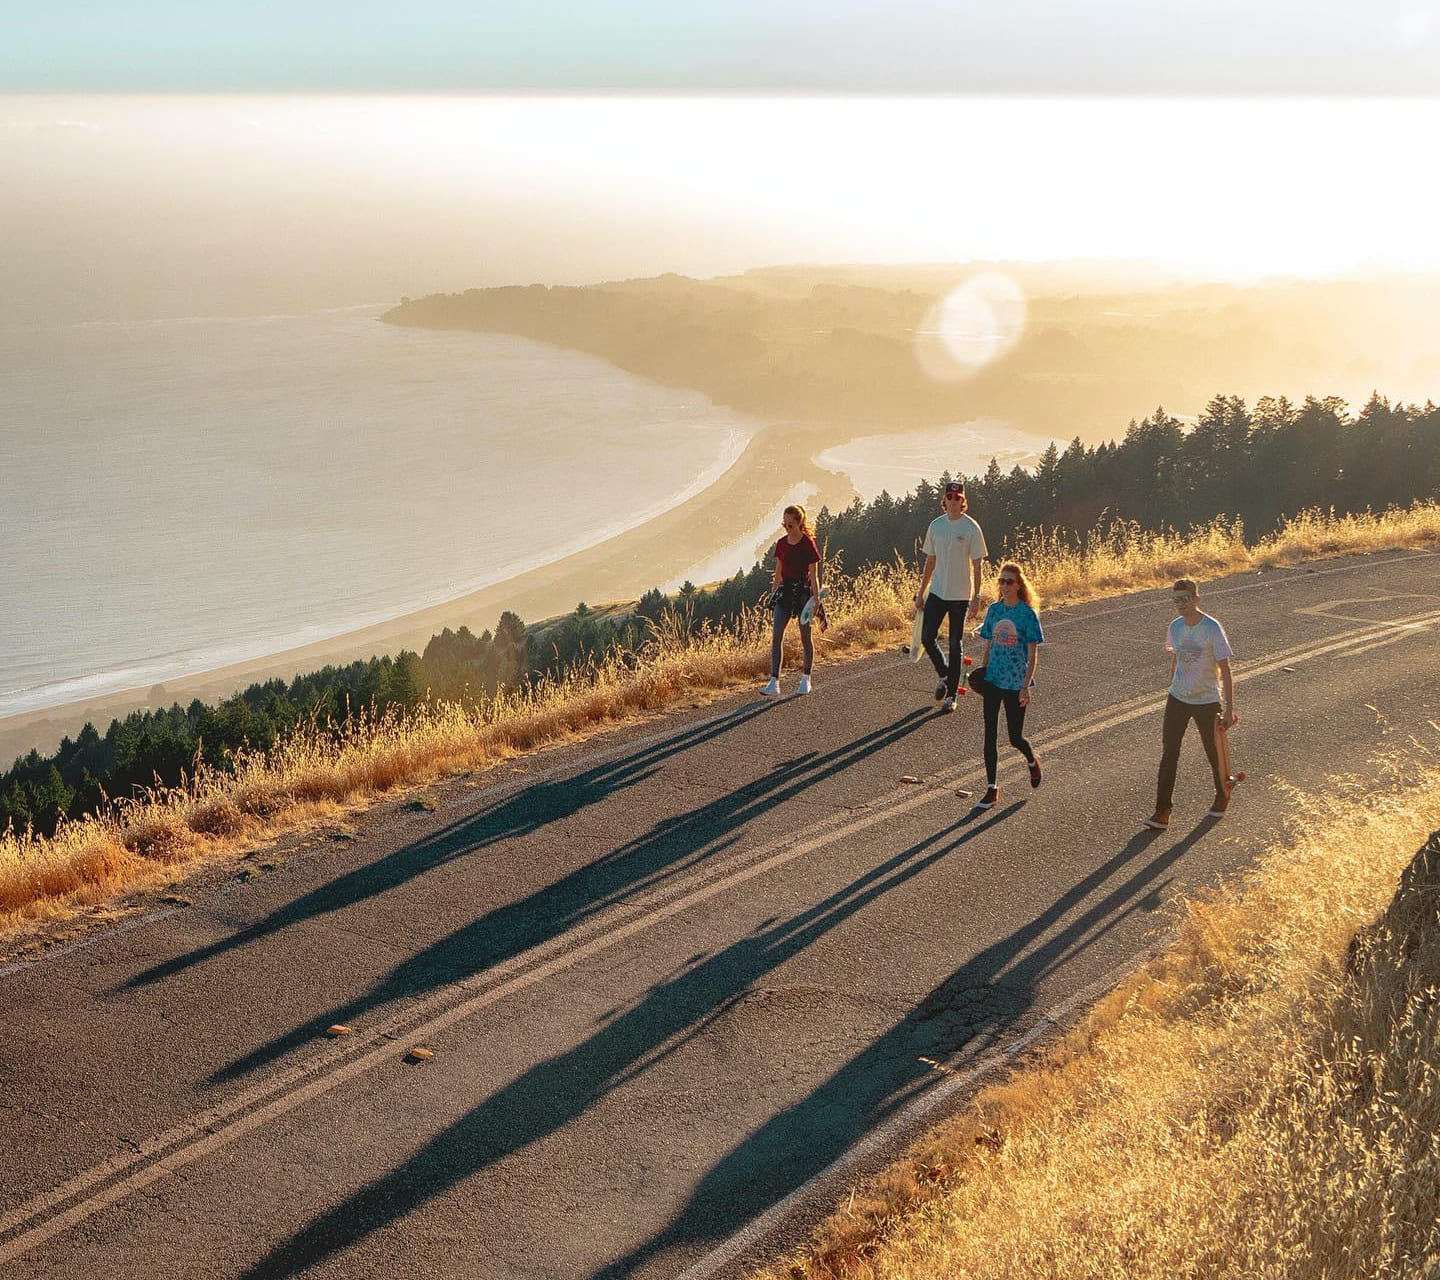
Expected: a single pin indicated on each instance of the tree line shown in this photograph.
(1256, 464)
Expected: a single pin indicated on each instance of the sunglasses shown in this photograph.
(957, 494)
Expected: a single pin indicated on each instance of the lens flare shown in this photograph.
(975, 324)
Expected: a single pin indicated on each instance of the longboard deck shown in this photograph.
(1222, 749)
(915, 633)
(808, 612)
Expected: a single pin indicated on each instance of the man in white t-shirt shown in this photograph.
(1199, 666)
(954, 552)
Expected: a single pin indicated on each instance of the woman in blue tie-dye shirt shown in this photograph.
(1011, 632)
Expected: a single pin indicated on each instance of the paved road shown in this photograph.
(669, 978)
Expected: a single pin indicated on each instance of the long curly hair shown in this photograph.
(799, 513)
(1027, 588)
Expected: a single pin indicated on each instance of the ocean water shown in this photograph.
(176, 495)
(896, 463)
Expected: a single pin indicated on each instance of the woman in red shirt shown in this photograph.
(796, 580)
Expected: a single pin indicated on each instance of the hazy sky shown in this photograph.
(171, 205)
(1104, 47)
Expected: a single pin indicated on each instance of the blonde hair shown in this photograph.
(799, 513)
(1027, 588)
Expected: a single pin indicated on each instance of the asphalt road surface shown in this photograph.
(680, 983)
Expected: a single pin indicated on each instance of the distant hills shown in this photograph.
(838, 345)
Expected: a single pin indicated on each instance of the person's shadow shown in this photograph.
(555, 1092)
(516, 812)
(967, 1013)
(672, 846)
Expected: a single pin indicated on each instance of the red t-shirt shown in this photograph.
(796, 557)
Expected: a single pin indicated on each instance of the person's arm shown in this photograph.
(1029, 673)
(1227, 687)
(925, 580)
(815, 579)
(976, 573)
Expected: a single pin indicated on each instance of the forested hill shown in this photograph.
(839, 347)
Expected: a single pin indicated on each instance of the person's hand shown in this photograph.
(1024, 697)
(1229, 720)
(918, 600)
(974, 608)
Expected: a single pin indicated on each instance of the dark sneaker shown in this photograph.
(948, 705)
(1158, 821)
(992, 798)
(1222, 802)
(1035, 773)
(940, 690)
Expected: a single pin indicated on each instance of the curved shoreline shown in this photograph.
(619, 568)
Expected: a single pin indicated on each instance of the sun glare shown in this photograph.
(976, 323)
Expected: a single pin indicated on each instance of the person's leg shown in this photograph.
(993, 698)
(777, 640)
(1176, 718)
(807, 644)
(934, 612)
(1015, 723)
(956, 671)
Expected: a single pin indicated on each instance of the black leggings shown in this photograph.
(1014, 723)
(936, 610)
(1177, 718)
(777, 640)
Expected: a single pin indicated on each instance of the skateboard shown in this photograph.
(1222, 749)
(915, 633)
(808, 612)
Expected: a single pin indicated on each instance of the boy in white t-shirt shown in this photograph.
(950, 586)
(1199, 666)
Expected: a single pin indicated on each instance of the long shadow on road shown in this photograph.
(674, 845)
(528, 810)
(997, 986)
(969, 1011)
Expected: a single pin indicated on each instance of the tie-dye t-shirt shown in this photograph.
(1197, 650)
(1011, 630)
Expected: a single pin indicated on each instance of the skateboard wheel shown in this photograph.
(1240, 777)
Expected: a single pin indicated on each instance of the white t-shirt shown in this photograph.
(954, 544)
(1197, 650)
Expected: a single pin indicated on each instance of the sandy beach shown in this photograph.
(621, 568)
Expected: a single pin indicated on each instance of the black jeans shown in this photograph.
(1177, 719)
(1014, 724)
(936, 610)
(777, 639)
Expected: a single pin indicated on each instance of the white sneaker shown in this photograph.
(804, 685)
(771, 690)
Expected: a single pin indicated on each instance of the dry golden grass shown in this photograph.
(1124, 557)
(1260, 1101)
(318, 776)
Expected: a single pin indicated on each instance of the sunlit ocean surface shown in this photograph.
(176, 495)
(896, 463)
